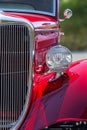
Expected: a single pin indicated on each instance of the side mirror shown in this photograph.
(67, 13)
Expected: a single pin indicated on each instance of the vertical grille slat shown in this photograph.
(14, 72)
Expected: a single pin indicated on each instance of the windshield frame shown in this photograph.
(32, 11)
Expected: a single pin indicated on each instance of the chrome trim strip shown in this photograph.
(42, 30)
(6, 20)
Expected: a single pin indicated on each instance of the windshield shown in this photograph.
(41, 6)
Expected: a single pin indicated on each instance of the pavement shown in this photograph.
(79, 55)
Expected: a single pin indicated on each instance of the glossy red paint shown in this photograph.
(36, 19)
(42, 84)
(59, 100)
(62, 100)
(76, 95)
(42, 44)
(46, 36)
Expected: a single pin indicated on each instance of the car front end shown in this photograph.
(38, 79)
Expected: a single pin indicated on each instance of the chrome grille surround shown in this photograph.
(16, 23)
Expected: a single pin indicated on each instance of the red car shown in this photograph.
(40, 87)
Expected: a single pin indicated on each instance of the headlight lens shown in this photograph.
(58, 58)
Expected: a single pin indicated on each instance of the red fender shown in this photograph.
(75, 101)
(62, 100)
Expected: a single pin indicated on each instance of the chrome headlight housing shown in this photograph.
(58, 58)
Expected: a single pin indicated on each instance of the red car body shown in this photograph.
(60, 100)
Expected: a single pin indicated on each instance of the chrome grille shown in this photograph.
(14, 72)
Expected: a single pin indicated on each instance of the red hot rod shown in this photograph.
(40, 87)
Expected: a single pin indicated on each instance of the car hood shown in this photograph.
(38, 21)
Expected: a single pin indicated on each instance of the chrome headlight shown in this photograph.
(58, 58)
